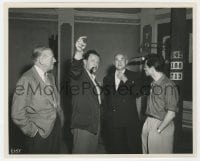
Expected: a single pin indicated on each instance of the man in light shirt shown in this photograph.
(35, 107)
(162, 106)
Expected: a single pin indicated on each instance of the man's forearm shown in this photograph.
(76, 68)
(26, 125)
(168, 118)
(77, 64)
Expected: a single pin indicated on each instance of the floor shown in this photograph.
(184, 144)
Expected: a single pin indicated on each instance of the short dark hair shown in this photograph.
(156, 61)
(89, 52)
(37, 52)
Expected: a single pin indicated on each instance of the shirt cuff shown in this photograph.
(171, 108)
(78, 56)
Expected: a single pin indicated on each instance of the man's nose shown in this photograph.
(54, 60)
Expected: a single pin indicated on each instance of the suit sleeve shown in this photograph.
(61, 114)
(171, 97)
(106, 94)
(76, 69)
(138, 85)
(21, 100)
(59, 108)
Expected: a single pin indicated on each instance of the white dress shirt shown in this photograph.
(92, 77)
(40, 72)
(43, 75)
(117, 80)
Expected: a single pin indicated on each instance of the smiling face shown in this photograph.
(120, 62)
(92, 63)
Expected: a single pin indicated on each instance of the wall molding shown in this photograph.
(106, 20)
(102, 17)
(162, 14)
(33, 16)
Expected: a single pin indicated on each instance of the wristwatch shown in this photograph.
(158, 130)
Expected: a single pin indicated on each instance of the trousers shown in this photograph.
(49, 145)
(123, 140)
(84, 142)
(154, 142)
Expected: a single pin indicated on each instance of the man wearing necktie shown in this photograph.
(122, 125)
(85, 123)
(35, 107)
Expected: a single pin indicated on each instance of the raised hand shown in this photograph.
(81, 44)
(122, 77)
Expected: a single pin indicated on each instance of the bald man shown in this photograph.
(121, 87)
(35, 108)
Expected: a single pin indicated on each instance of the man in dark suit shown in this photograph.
(35, 108)
(86, 100)
(121, 87)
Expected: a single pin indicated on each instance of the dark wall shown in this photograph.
(24, 35)
(108, 39)
(188, 70)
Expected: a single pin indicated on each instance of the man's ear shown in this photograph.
(41, 60)
(84, 62)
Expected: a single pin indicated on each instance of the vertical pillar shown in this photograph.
(178, 49)
(148, 19)
(65, 40)
(65, 52)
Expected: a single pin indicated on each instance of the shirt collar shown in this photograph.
(123, 71)
(40, 72)
(158, 82)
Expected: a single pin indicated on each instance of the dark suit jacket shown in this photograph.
(35, 104)
(120, 106)
(86, 107)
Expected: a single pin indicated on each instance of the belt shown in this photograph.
(152, 117)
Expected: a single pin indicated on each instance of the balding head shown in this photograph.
(37, 52)
(43, 57)
(120, 61)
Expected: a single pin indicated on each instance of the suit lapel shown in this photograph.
(112, 82)
(121, 83)
(46, 88)
(126, 73)
(55, 92)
